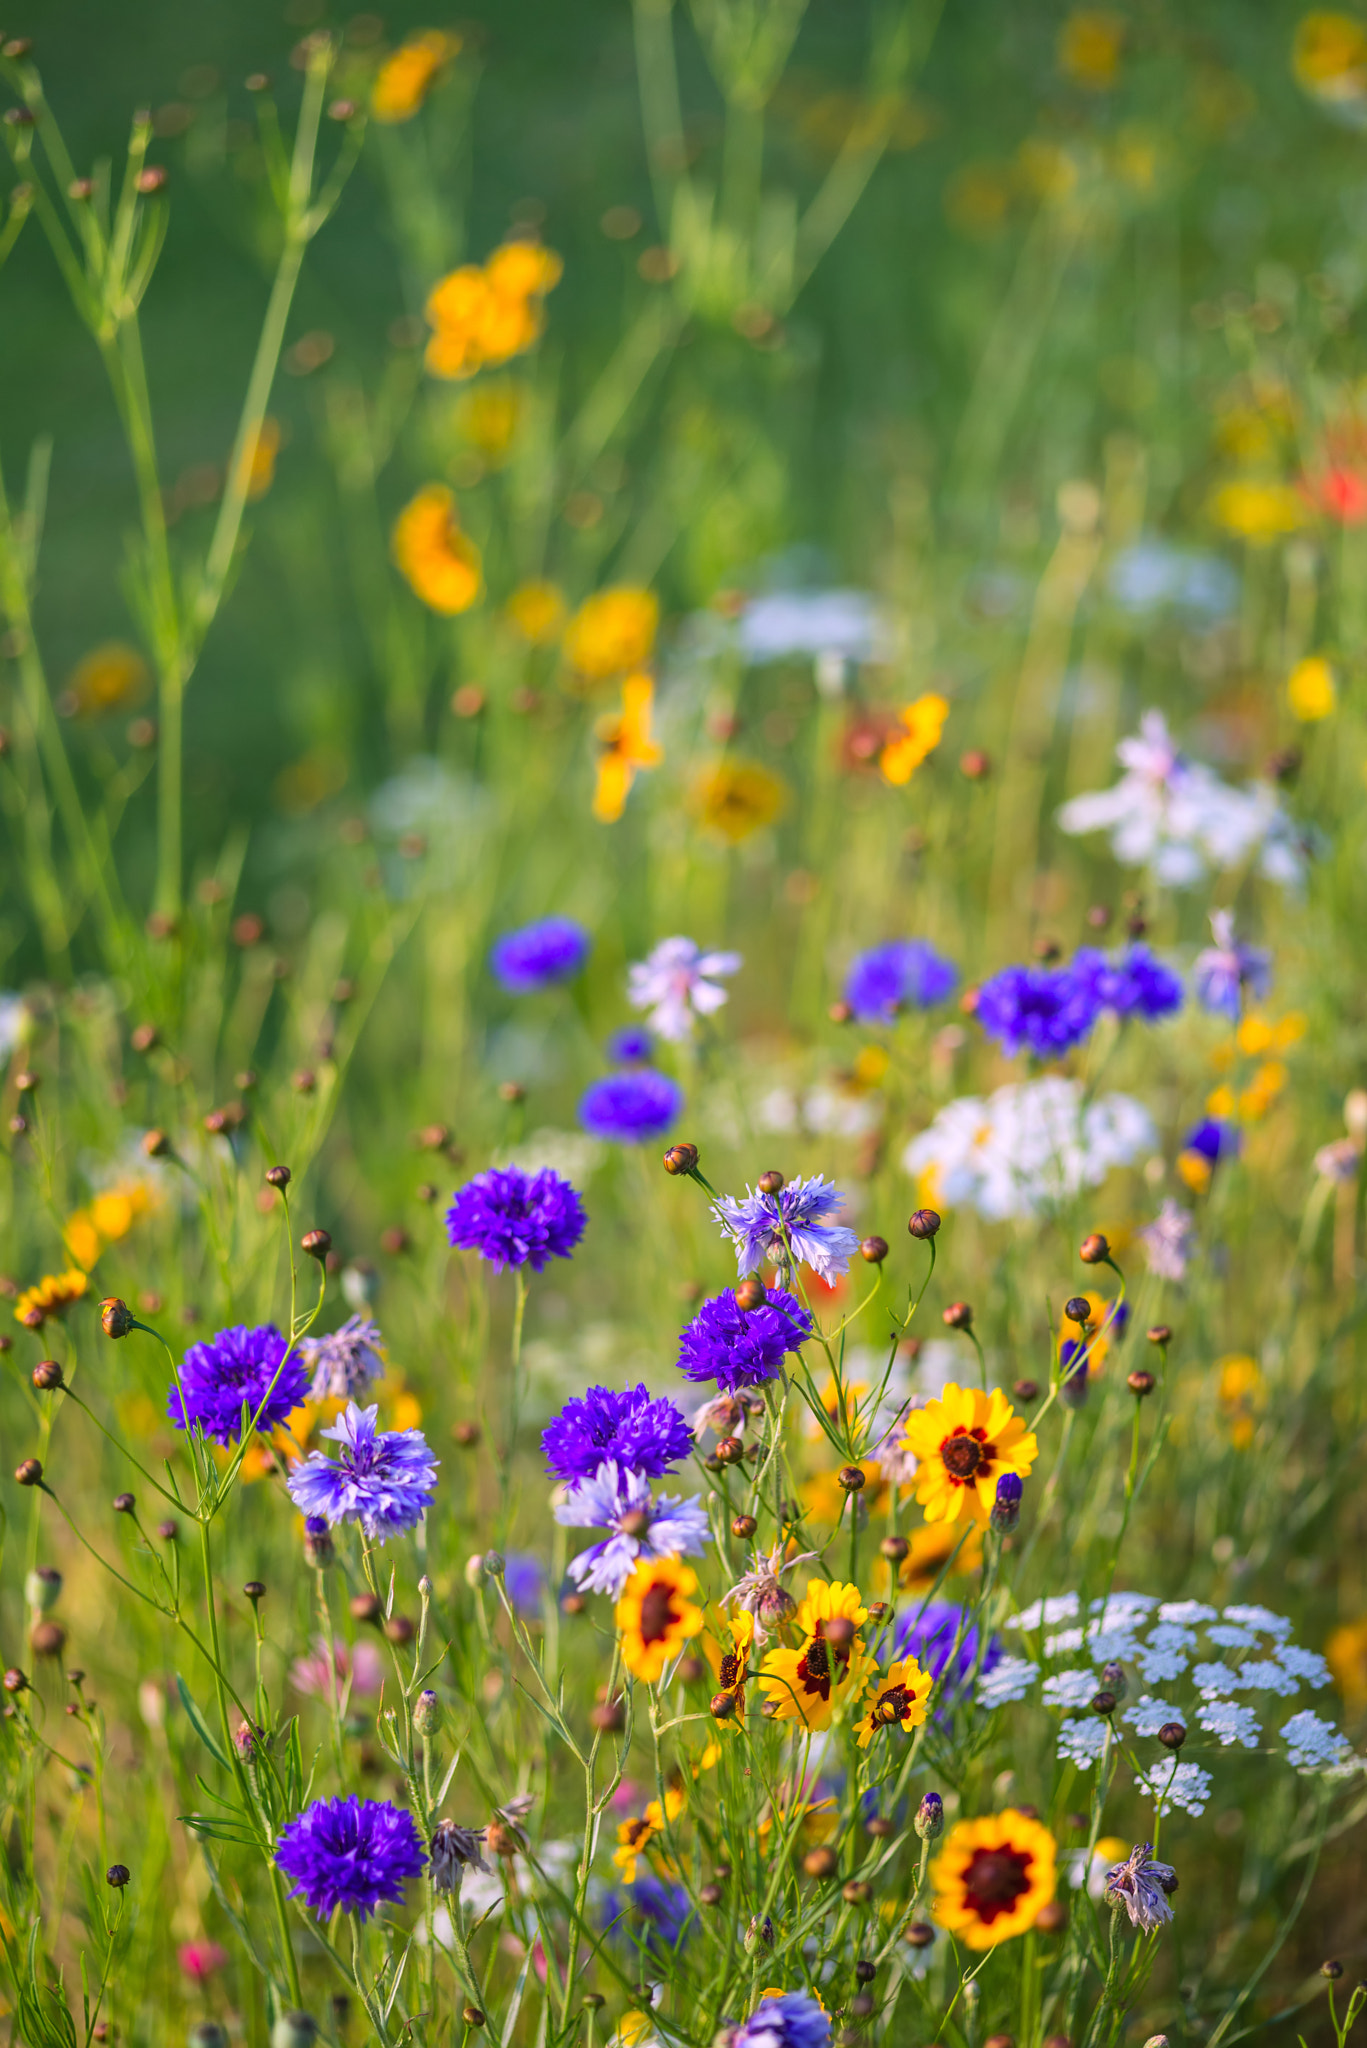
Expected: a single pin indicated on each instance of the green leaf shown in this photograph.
(198, 1723)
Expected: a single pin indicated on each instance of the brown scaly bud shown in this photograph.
(47, 1375)
(840, 1632)
(874, 1250)
(116, 1317)
(14, 1680)
(751, 1293)
(28, 1472)
(681, 1159)
(744, 1526)
(1140, 1384)
(730, 1450)
(857, 1892)
(278, 1176)
(1103, 1703)
(923, 1223)
(117, 1875)
(722, 1706)
(920, 1934)
(711, 1894)
(124, 1503)
(1094, 1250)
(1160, 1334)
(771, 1183)
(1026, 1391)
(317, 1243)
(1078, 1309)
(47, 1639)
(851, 1478)
(894, 1548)
(958, 1316)
(1172, 1735)
(822, 1862)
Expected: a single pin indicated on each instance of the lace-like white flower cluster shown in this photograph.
(1217, 1655)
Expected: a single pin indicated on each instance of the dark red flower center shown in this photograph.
(994, 1880)
(732, 1670)
(657, 1613)
(893, 1705)
(966, 1455)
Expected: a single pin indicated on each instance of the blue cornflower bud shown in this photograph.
(930, 1817)
(1006, 1508)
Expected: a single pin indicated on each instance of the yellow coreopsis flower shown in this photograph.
(52, 1296)
(1258, 512)
(656, 1615)
(406, 77)
(992, 1877)
(1242, 1393)
(536, 611)
(1311, 690)
(895, 1700)
(441, 563)
(1089, 47)
(809, 1683)
(485, 315)
(111, 675)
(1346, 1655)
(627, 747)
(964, 1442)
(638, 1831)
(737, 799)
(1329, 57)
(612, 633)
(922, 723)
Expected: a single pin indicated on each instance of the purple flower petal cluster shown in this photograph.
(385, 1479)
(904, 974)
(237, 1366)
(930, 1637)
(539, 955)
(641, 1526)
(1224, 972)
(766, 1226)
(1212, 1141)
(353, 1853)
(1042, 1010)
(650, 1913)
(514, 1218)
(1135, 984)
(646, 1433)
(742, 1347)
(345, 1362)
(793, 2021)
(632, 1046)
(631, 1108)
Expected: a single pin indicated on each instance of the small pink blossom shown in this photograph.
(200, 1959)
(363, 1666)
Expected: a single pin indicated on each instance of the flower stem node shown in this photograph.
(1078, 1310)
(771, 1183)
(427, 1713)
(294, 2030)
(47, 1375)
(278, 1176)
(681, 1159)
(28, 1472)
(930, 1817)
(821, 1862)
(1172, 1735)
(851, 1478)
(744, 1526)
(751, 1294)
(317, 1243)
(923, 1224)
(1160, 1334)
(117, 1875)
(1141, 1384)
(873, 1250)
(116, 1317)
(958, 1316)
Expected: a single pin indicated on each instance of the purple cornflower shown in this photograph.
(1225, 970)
(739, 1347)
(641, 1526)
(678, 982)
(514, 1218)
(524, 1581)
(1141, 1886)
(1045, 1009)
(352, 1853)
(1134, 984)
(770, 1226)
(1212, 1140)
(794, 2020)
(930, 1637)
(904, 974)
(1167, 1241)
(632, 1046)
(385, 1479)
(648, 1435)
(631, 1108)
(233, 1369)
(539, 955)
(650, 1913)
(1006, 1507)
(344, 1363)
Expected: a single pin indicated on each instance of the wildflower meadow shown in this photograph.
(683, 1050)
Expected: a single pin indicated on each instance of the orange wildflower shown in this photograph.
(406, 77)
(441, 563)
(627, 747)
(916, 737)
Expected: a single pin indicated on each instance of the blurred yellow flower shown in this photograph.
(1220, 1102)
(485, 315)
(406, 77)
(489, 417)
(1311, 690)
(931, 1545)
(1089, 46)
(441, 563)
(1346, 1655)
(258, 459)
(824, 1498)
(52, 1296)
(109, 1217)
(537, 612)
(921, 726)
(612, 632)
(1329, 56)
(110, 675)
(1242, 1395)
(82, 1239)
(1255, 511)
(1262, 1091)
(627, 747)
(736, 799)
(638, 1831)
(1046, 170)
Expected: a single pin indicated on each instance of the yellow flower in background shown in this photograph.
(1242, 1394)
(1221, 1102)
(1263, 1090)
(521, 270)
(627, 747)
(1329, 57)
(1311, 690)
(406, 77)
(82, 1239)
(536, 611)
(484, 315)
(52, 1296)
(825, 1499)
(111, 675)
(1257, 512)
(1346, 1655)
(258, 459)
(737, 799)
(1098, 1344)
(1089, 46)
(992, 1877)
(1045, 169)
(931, 1547)
(638, 1831)
(108, 1218)
(656, 1616)
(441, 563)
(490, 415)
(895, 1700)
(964, 1442)
(922, 724)
(612, 633)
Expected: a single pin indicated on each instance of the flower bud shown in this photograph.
(851, 1478)
(821, 1862)
(958, 1316)
(857, 1892)
(1094, 1250)
(874, 1250)
(28, 1472)
(208, 2034)
(117, 1875)
(318, 1545)
(1026, 1391)
(399, 1629)
(920, 1934)
(427, 1713)
(294, 2030)
(1141, 1384)
(14, 1680)
(923, 1223)
(168, 1530)
(278, 1176)
(759, 1935)
(930, 1817)
(771, 1183)
(744, 1526)
(609, 1717)
(1078, 1309)
(681, 1159)
(493, 1564)
(1006, 1508)
(1103, 1703)
(317, 1243)
(775, 1605)
(472, 2016)
(116, 1317)
(840, 1632)
(751, 1293)
(47, 1375)
(155, 1144)
(1172, 1735)
(123, 1503)
(47, 1639)
(1052, 1919)
(975, 765)
(894, 1548)
(43, 1588)
(366, 1607)
(245, 1740)
(730, 1451)
(710, 1895)
(1160, 1334)
(722, 1706)
(1331, 1969)
(840, 1013)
